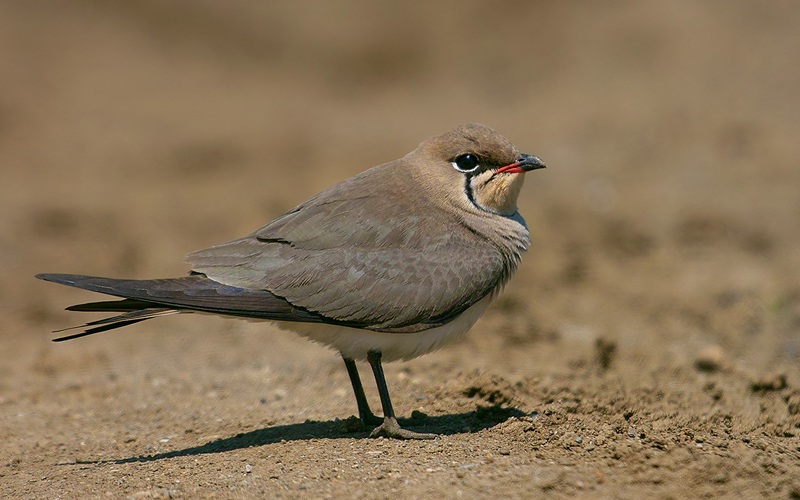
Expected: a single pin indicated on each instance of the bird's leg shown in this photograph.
(389, 428)
(364, 413)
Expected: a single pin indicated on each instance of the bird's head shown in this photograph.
(474, 165)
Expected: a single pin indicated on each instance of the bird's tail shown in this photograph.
(127, 318)
(146, 299)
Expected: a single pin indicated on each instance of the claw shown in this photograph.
(391, 429)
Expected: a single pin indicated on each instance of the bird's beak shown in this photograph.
(524, 163)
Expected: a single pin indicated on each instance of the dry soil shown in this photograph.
(648, 347)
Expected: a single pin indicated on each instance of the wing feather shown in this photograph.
(354, 254)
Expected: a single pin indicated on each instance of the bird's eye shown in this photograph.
(466, 163)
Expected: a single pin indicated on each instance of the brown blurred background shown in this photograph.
(666, 224)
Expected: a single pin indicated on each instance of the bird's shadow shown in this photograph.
(484, 417)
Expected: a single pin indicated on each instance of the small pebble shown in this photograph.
(774, 382)
(711, 359)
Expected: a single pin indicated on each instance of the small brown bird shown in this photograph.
(390, 264)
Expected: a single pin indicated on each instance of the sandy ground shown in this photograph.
(649, 345)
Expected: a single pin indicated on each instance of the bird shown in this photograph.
(387, 265)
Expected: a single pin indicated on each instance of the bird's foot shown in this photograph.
(391, 429)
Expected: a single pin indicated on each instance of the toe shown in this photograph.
(391, 429)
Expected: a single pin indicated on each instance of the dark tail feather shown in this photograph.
(111, 306)
(103, 325)
(145, 299)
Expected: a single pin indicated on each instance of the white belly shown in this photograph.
(355, 343)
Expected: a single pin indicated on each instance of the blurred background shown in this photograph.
(134, 132)
(666, 225)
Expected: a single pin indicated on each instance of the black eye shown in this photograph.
(466, 162)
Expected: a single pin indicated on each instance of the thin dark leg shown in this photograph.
(364, 413)
(374, 358)
(389, 428)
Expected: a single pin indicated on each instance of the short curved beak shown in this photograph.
(524, 163)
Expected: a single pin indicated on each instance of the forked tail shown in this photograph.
(146, 299)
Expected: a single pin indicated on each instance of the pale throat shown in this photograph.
(497, 193)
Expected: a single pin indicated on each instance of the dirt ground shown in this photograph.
(648, 347)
